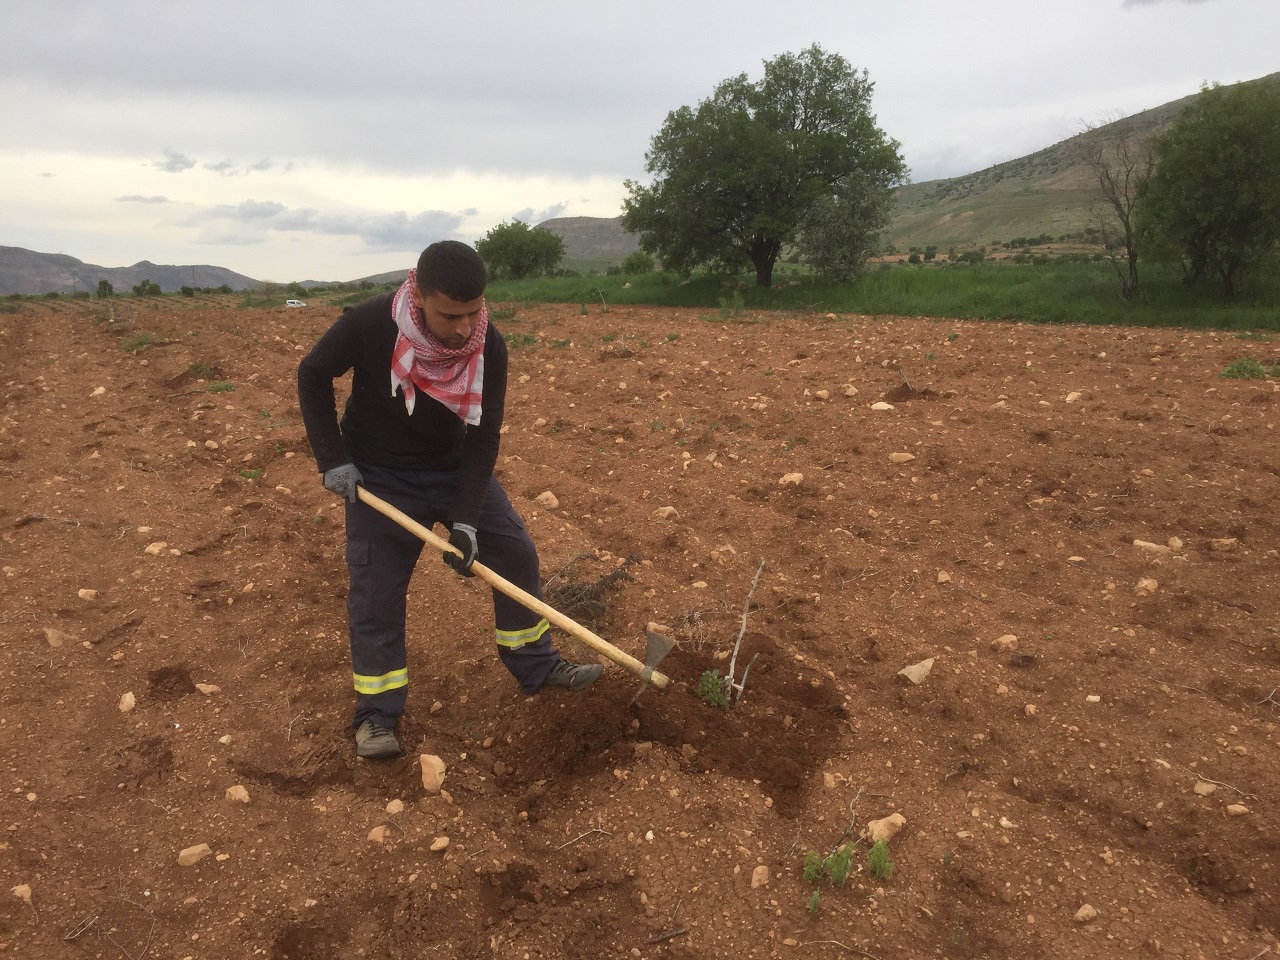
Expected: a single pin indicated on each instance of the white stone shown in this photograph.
(1157, 548)
(881, 405)
(1237, 809)
(22, 891)
(439, 844)
(917, 672)
(378, 834)
(666, 513)
(127, 702)
(548, 500)
(55, 637)
(193, 855)
(433, 771)
(1085, 914)
(791, 479)
(759, 877)
(208, 689)
(1204, 789)
(157, 548)
(885, 828)
(238, 794)
(395, 806)
(901, 457)
(87, 594)
(1006, 644)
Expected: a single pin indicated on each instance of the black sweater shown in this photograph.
(376, 428)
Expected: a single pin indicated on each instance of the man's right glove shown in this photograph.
(343, 481)
(462, 536)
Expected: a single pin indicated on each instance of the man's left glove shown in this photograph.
(462, 536)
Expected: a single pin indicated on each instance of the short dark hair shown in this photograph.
(454, 269)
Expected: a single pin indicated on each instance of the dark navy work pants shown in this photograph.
(381, 556)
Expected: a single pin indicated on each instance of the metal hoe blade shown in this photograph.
(657, 646)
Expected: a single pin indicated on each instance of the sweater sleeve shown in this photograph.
(480, 446)
(332, 356)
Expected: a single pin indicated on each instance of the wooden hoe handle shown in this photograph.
(500, 583)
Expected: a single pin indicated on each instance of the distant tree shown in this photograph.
(105, 289)
(1119, 165)
(225, 288)
(913, 258)
(515, 251)
(187, 291)
(638, 262)
(147, 289)
(788, 160)
(1213, 201)
(841, 231)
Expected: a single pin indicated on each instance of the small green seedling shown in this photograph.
(878, 863)
(1246, 368)
(220, 386)
(711, 689)
(251, 474)
(834, 868)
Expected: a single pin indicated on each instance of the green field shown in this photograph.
(1046, 293)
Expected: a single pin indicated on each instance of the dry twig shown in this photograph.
(861, 953)
(587, 834)
(733, 689)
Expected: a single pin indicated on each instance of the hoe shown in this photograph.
(657, 644)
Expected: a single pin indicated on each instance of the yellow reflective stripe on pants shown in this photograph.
(511, 639)
(388, 681)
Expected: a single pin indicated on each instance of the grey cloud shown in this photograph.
(173, 162)
(250, 221)
(530, 216)
(138, 198)
(229, 168)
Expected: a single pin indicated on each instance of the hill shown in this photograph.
(1046, 192)
(30, 273)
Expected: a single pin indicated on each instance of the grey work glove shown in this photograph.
(462, 536)
(343, 481)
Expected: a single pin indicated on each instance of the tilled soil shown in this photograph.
(1090, 768)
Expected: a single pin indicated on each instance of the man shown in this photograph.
(421, 430)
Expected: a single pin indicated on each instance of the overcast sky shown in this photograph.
(333, 140)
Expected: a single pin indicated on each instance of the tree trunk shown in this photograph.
(764, 253)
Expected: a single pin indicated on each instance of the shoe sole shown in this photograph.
(378, 753)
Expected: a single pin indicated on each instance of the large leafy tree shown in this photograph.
(1213, 200)
(759, 166)
(515, 251)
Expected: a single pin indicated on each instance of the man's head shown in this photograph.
(450, 291)
(452, 268)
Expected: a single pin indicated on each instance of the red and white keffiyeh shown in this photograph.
(421, 362)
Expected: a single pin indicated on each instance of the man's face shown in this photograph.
(449, 321)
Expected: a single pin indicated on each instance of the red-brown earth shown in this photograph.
(1086, 694)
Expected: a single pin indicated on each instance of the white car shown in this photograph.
(294, 303)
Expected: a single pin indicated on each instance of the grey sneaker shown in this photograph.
(376, 742)
(575, 676)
